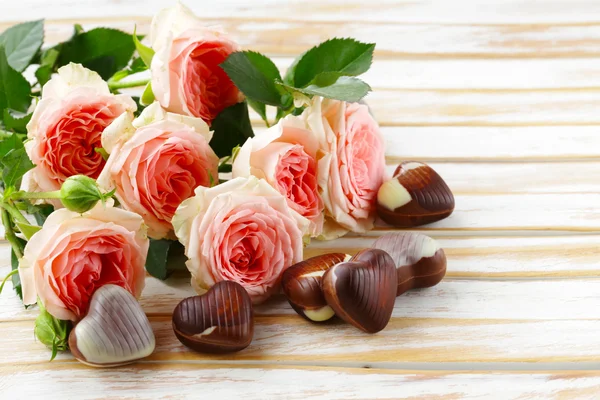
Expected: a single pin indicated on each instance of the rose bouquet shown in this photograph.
(102, 184)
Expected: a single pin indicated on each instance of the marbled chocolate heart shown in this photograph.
(114, 332)
(420, 261)
(416, 195)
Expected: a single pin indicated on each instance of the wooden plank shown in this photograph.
(421, 40)
(511, 12)
(289, 339)
(468, 257)
(468, 143)
(477, 108)
(151, 380)
(559, 299)
(478, 74)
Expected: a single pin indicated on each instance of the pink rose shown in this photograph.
(186, 76)
(242, 231)
(74, 254)
(67, 124)
(354, 166)
(156, 161)
(286, 156)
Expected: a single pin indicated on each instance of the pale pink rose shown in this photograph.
(156, 161)
(286, 156)
(186, 76)
(242, 231)
(67, 124)
(353, 168)
(75, 254)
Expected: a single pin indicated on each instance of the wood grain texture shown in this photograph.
(502, 100)
(422, 40)
(555, 299)
(509, 12)
(151, 380)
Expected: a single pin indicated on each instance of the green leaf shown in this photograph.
(14, 263)
(103, 50)
(40, 211)
(290, 73)
(156, 263)
(145, 52)
(255, 75)
(345, 88)
(21, 43)
(231, 128)
(15, 91)
(164, 257)
(27, 230)
(43, 74)
(346, 57)
(147, 96)
(8, 144)
(260, 108)
(16, 121)
(16, 163)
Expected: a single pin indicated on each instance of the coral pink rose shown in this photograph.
(354, 166)
(156, 161)
(242, 231)
(67, 124)
(186, 76)
(286, 156)
(74, 254)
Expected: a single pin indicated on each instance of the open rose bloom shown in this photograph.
(186, 76)
(74, 254)
(66, 127)
(242, 231)
(353, 167)
(156, 161)
(286, 156)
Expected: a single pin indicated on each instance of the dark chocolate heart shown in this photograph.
(219, 321)
(362, 291)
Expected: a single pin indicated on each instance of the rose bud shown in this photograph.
(52, 332)
(186, 76)
(243, 231)
(66, 127)
(80, 193)
(286, 155)
(354, 168)
(74, 254)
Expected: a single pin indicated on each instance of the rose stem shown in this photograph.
(130, 84)
(35, 195)
(10, 234)
(11, 273)
(16, 214)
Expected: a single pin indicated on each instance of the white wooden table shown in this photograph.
(503, 99)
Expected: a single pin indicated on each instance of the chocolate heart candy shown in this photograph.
(219, 321)
(416, 195)
(302, 286)
(420, 262)
(362, 291)
(114, 332)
